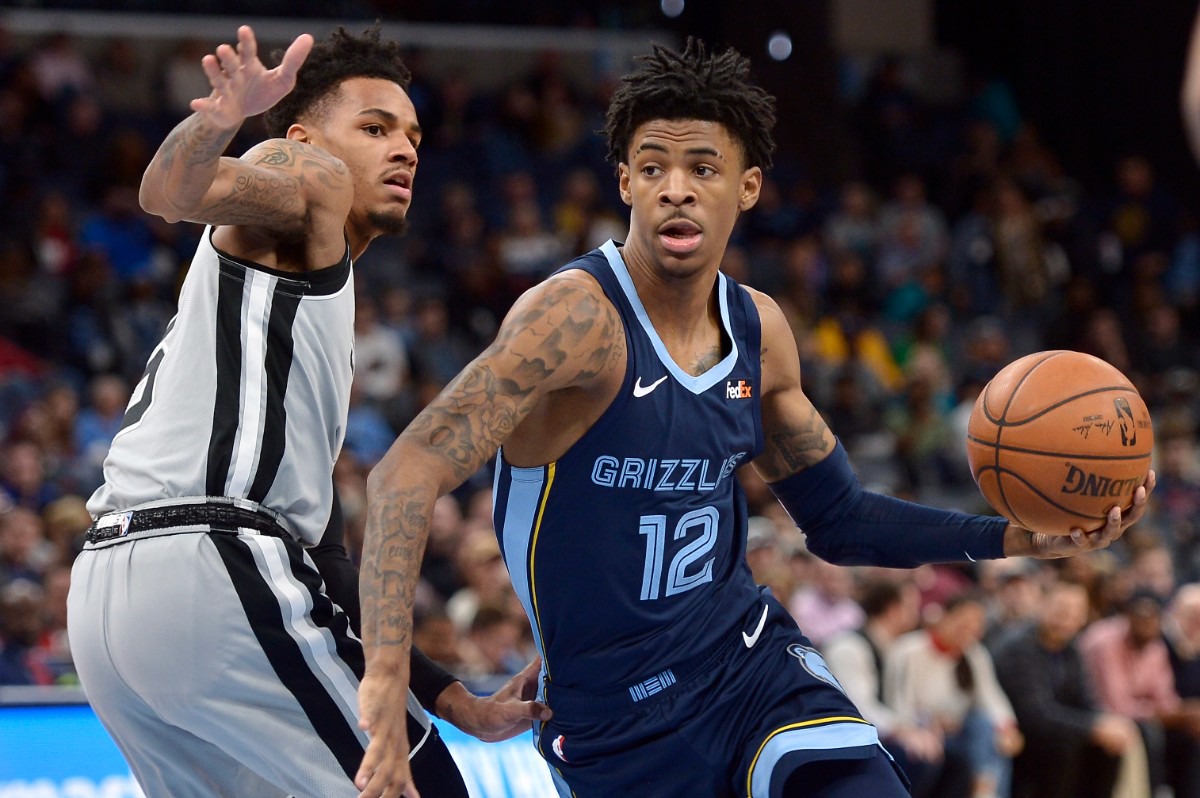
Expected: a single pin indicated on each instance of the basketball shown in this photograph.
(1056, 439)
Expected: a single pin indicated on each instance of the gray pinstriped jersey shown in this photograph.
(245, 396)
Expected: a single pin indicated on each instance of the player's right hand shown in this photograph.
(1020, 542)
(241, 85)
(383, 715)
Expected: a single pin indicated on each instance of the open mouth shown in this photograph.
(400, 185)
(680, 236)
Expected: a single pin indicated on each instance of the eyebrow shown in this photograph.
(389, 117)
(650, 145)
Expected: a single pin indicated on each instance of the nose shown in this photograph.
(404, 152)
(676, 189)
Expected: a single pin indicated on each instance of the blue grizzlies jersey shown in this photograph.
(629, 551)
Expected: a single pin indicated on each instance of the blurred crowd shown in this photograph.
(959, 245)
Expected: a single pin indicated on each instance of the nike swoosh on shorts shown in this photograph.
(750, 640)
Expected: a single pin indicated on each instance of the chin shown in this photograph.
(389, 223)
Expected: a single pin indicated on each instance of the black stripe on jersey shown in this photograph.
(231, 286)
(278, 365)
(266, 619)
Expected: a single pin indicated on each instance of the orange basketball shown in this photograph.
(1056, 439)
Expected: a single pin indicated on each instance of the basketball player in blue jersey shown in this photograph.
(201, 628)
(620, 397)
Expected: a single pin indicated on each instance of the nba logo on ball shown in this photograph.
(1058, 438)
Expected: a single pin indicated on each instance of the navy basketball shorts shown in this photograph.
(763, 706)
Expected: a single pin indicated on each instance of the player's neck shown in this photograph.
(679, 304)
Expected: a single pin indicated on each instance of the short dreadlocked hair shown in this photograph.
(339, 58)
(695, 84)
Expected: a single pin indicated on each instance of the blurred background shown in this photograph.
(958, 183)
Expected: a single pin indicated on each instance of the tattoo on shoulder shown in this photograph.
(566, 329)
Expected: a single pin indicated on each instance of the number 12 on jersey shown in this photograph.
(654, 527)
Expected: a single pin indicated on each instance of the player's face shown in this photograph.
(686, 183)
(372, 127)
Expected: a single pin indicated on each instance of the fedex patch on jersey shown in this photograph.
(738, 390)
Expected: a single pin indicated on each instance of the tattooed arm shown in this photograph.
(189, 179)
(796, 436)
(556, 337)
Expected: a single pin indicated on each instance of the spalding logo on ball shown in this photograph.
(1058, 438)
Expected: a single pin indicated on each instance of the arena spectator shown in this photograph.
(1181, 631)
(1015, 600)
(1073, 748)
(825, 606)
(25, 554)
(943, 678)
(1128, 661)
(857, 657)
(484, 577)
(20, 627)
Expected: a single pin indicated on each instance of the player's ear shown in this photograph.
(623, 183)
(298, 132)
(751, 186)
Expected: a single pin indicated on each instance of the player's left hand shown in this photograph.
(1022, 542)
(383, 703)
(504, 714)
(241, 85)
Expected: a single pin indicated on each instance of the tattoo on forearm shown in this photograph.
(388, 574)
(196, 142)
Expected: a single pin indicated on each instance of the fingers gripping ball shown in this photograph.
(1058, 438)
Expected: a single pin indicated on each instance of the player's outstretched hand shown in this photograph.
(504, 714)
(382, 704)
(241, 85)
(1022, 542)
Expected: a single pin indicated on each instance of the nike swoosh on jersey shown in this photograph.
(750, 640)
(641, 390)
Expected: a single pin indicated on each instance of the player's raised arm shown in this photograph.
(189, 179)
(559, 335)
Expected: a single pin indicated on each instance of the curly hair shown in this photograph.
(338, 58)
(695, 84)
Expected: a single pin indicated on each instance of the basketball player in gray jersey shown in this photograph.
(201, 628)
